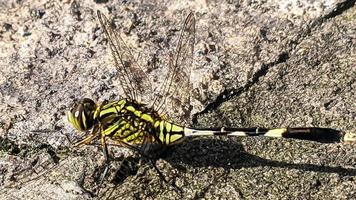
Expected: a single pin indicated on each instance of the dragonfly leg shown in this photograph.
(86, 140)
(106, 156)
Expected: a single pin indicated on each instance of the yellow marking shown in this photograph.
(122, 102)
(133, 137)
(84, 120)
(168, 135)
(138, 113)
(278, 132)
(108, 110)
(130, 108)
(147, 118)
(168, 127)
(106, 106)
(175, 138)
(97, 111)
(161, 134)
(72, 120)
(156, 125)
(176, 128)
(110, 129)
(161, 127)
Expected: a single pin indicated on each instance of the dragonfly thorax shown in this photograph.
(126, 118)
(135, 123)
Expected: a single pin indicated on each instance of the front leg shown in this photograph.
(88, 139)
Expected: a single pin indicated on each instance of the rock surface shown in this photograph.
(268, 64)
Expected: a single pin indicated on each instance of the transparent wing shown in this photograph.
(175, 90)
(133, 80)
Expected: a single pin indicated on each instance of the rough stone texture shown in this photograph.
(274, 64)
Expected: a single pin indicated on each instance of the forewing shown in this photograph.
(133, 80)
(174, 93)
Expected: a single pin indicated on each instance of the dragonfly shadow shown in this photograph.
(231, 155)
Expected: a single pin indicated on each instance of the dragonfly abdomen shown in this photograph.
(324, 135)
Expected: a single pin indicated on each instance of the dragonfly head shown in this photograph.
(81, 116)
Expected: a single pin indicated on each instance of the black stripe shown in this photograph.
(164, 132)
(104, 116)
(170, 133)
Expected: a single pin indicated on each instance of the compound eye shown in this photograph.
(82, 115)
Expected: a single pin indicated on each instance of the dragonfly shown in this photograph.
(144, 126)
